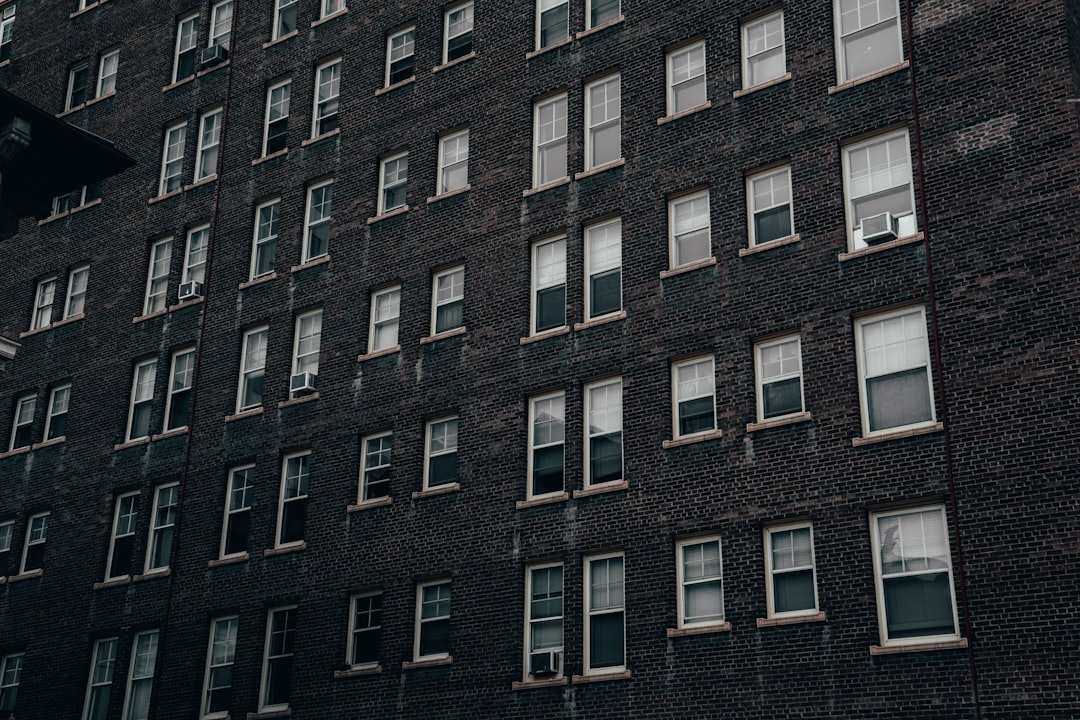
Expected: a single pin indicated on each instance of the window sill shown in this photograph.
(540, 51)
(76, 209)
(185, 304)
(602, 320)
(533, 684)
(621, 675)
(900, 434)
(683, 113)
(389, 214)
(613, 486)
(379, 353)
(328, 18)
(152, 575)
(15, 451)
(546, 186)
(285, 549)
(599, 28)
(275, 41)
(444, 335)
(132, 443)
(703, 630)
(3, 65)
(536, 502)
(554, 332)
(600, 168)
(691, 439)
(58, 323)
(87, 9)
(867, 78)
(313, 262)
(272, 156)
(28, 575)
(319, 138)
(148, 316)
(434, 662)
(437, 490)
(793, 620)
(298, 400)
(688, 267)
(921, 647)
(209, 70)
(778, 422)
(70, 110)
(250, 412)
(457, 61)
(357, 672)
(779, 242)
(268, 714)
(202, 181)
(449, 194)
(231, 560)
(368, 504)
(113, 582)
(395, 86)
(178, 83)
(257, 281)
(761, 86)
(166, 196)
(48, 443)
(870, 250)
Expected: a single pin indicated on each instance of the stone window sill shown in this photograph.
(269, 714)
(546, 186)
(536, 502)
(449, 194)
(434, 662)
(780, 242)
(276, 154)
(600, 168)
(76, 209)
(921, 647)
(793, 620)
(368, 504)
(328, 18)
(15, 451)
(456, 61)
(201, 181)
(185, 304)
(178, 83)
(582, 679)
(313, 262)
(389, 214)
(169, 434)
(395, 86)
(113, 582)
(132, 443)
(703, 630)
(319, 138)
(283, 38)
(285, 549)
(231, 560)
(87, 9)
(3, 65)
(70, 110)
(357, 672)
(602, 320)
(688, 267)
(437, 490)
(691, 439)
(98, 99)
(867, 78)
(258, 281)
(761, 86)
(28, 575)
(870, 250)
(250, 412)
(533, 684)
(152, 575)
(684, 113)
(48, 443)
(444, 335)
(156, 313)
(379, 353)
(885, 437)
(166, 196)
(599, 28)
(554, 332)
(209, 70)
(540, 51)
(58, 323)
(778, 422)
(608, 487)
(299, 400)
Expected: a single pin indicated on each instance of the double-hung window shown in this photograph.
(603, 123)
(266, 234)
(178, 401)
(220, 655)
(432, 620)
(877, 180)
(157, 276)
(605, 614)
(329, 7)
(913, 576)
(276, 135)
(99, 684)
(162, 526)
(142, 399)
(547, 444)
(327, 90)
(601, 12)
(221, 16)
(385, 310)
(686, 78)
(308, 338)
(441, 461)
(549, 284)
(549, 140)
(375, 467)
(206, 157)
(56, 419)
(37, 532)
(448, 300)
(78, 82)
(43, 302)
(689, 228)
(400, 56)
(237, 523)
(252, 368)
(552, 22)
(694, 390)
(317, 228)
(121, 559)
(453, 161)
(365, 630)
(278, 659)
(393, 180)
(172, 158)
(187, 51)
(10, 675)
(458, 31)
(894, 371)
(763, 49)
(867, 37)
(76, 291)
(790, 588)
(141, 676)
(7, 30)
(543, 621)
(701, 594)
(284, 17)
(195, 258)
(769, 195)
(603, 266)
(603, 432)
(22, 422)
(779, 378)
(107, 68)
(292, 508)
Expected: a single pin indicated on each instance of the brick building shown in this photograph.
(568, 360)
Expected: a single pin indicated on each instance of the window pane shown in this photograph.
(782, 398)
(704, 602)
(919, 605)
(899, 399)
(793, 591)
(606, 640)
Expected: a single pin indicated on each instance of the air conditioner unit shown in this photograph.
(879, 228)
(190, 291)
(302, 383)
(546, 663)
(213, 55)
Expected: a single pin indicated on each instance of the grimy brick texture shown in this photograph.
(995, 174)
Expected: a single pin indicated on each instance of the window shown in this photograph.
(266, 234)
(178, 402)
(549, 140)
(894, 371)
(458, 32)
(121, 559)
(99, 684)
(195, 257)
(60, 204)
(552, 22)
(163, 526)
(543, 621)
(221, 16)
(172, 160)
(454, 160)
(779, 378)
(686, 78)
(385, 308)
(157, 280)
(605, 642)
(317, 230)
(276, 137)
(329, 7)
(547, 437)
(7, 529)
(701, 594)
(790, 588)
(695, 396)
(237, 524)
(393, 178)
(107, 68)
(689, 228)
(292, 509)
(43, 302)
(7, 29)
(603, 135)
(206, 158)
(252, 365)
(327, 89)
(441, 463)
(763, 49)
(78, 80)
(76, 291)
(142, 399)
(603, 265)
(432, 620)
(219, 667)
(37, 529)
(603, 432)
(448, 300)
(90, 192)
(306, 344)
(22, 423)
(877, 179)
(365, 630)
(187, 51)
(56, 420)
(868, 37)
(769, 194)
(400, 60)
(141, 676)
(278, 660)
(375, 467)
(913, 576)
(549, 284)
(10, 673)
(601, 12)
(284, 17)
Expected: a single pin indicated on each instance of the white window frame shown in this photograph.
(676, 400)
(467, 5)
(175, 139)
(7, 24)
(752, 208)
(593, 126)
(309, 223)
(138, 398)
(385, 313)
(398, 182)
(303, 488)
(30, 540)
(7, 531)
(245, 473)
(11, 665)
(69, 98)
(44, 297)
(841, 53)
(264, 707)
(675, 259)
(301, 361)
(350, 644)
(116, 535)
(534, 446)
(539, 146)
(195, 252)
(771, 571)
(748, 58)
(539, 285)
(860, 353)
(614, 384)
(530, 620)
(908, 223)
(245, 371)
(589, 612)
(209, 143)
(60, 393)
(171, 388)
(215, 36)
(455, 294)
(328, 8)
(682, 581)
(92, 682)
(540, 12)
(259, 243)
(670, 81)
(229, 643)
(279, 6)
(447, 167)
(179, 49)
(282, 108)
(590, 23)
(30, 399)
(106, 80)
(332, 98)
(417, 657)
(145, 671)
(79, 277)
(429, 455)
(162, 527)
(760, 380)
(362, 495)
(160, 254)
(390, 59)
(595, 268)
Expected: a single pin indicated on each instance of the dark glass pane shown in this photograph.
(772, 224)
(35, 557)
(606, 640)
(253, 390)
(919, 605)
(393, 198)
(219, 698)
(140, 420)
(277, 135)
(696, 415)
(287, 20)
(550, 308)
(443, 469)
(236, 537)
(548, 469)
(793, 591)
(78, 86)
(366, 646)
(123, 551)
(606, 289)
(99, 703)
(402, 69)
(782, 397)
(7, 701)
(162, 548)
(186, 65)
(435, 637)
(57, 426)
(292, 520)
(278, 680)
(554, 25)
(329, 121)
(23, 436)
(605, 458)
(178, 410)
(898, 399)
(604, 11)
(319, 239)
(377, 483)
(92, 192)
(459, 46)
(449, 316)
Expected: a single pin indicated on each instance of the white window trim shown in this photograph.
(170, 391)
(427, 448)
(389, 44)
(113, 537)
(296, 340)
(15, 419)
(315, 116)
(153, 528)
(263, 708)
(360, 499)
(266, 111)
(214, 11)
(527, 641)
(589, 434)
(588, 15)
(150, 277)
(209, 667)
(673, 254)
(759, 380)
(845, 157)
(201, 172)
(533, 447)
(227, 514)
(307, 256)
(255, 240)
(565, 138)
(752, 209)
(442, 189)
(39, 306)
(675, 395)
(90, 684)
(417, 657)
(131, 667)
(349, 645)
(446, 28)
(680, 581)
(10, 525)
(176, 47)
(71, 287)
(382, 182)
(589, 127)
(671, 77)
(169, 130)
(838, 44)
(152, 362)
(435, 304)
(769, 570)
(240, 407)
(186, 276)
(278, 6)
(589, 271)
(587, 607)
(281, 499)
(539, 14)
(743, 33)
(115, 52)
(27, 542)
(325, 11)
(374, 320)
(534, 310)
(49, 414)
(84, 66)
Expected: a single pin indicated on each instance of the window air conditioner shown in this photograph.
(545, 663)
(302, 383)
(879, 228)
(213, 55)
(190, 291)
